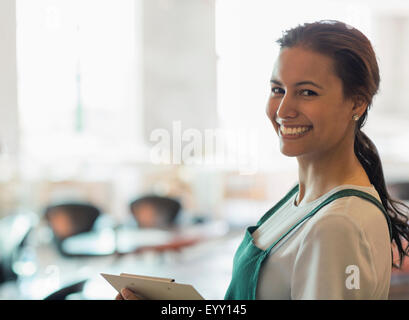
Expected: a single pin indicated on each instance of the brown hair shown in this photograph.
(356, 65)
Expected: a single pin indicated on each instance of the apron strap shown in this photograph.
(277, 206)
(340, 194)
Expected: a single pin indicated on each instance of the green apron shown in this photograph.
(249, 258)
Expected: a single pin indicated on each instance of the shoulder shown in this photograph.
(352, 214)
(332, 228)
(349, 221)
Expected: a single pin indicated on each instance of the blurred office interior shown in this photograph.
(88, 90)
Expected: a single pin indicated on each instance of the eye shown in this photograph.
(308, 93)
(277, 90)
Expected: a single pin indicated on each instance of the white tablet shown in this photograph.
(153, 288)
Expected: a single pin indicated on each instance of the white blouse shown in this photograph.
(342, 252)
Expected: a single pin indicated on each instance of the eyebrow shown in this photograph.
(300, 83)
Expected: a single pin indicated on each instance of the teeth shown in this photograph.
(297, 130)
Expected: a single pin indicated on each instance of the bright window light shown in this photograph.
(78, 85)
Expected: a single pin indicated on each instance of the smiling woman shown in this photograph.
(330, 236)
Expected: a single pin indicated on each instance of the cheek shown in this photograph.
(338, 118)
(331, 125)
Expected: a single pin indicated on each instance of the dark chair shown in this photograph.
(64, 292)
(152, 211)
(69, 219)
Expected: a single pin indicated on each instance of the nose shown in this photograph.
(287, 108)
(284, 108)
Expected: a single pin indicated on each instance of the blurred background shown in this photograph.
(133, 135)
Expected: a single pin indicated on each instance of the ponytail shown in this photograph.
(367, 154)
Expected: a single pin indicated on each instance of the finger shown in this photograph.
(129, 295)
(119, 297)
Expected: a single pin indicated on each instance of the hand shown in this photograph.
(127, 294)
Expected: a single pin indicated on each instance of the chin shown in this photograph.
(291, 152)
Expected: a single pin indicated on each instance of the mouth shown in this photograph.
(293, 132)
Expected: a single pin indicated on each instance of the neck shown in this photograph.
(319, 174)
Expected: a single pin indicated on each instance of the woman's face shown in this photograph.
(306, 105)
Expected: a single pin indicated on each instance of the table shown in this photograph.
(206, 265)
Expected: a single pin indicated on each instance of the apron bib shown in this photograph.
(249, 258)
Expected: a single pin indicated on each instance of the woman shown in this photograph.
(330, 236)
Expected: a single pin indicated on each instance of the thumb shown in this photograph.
(129, 295)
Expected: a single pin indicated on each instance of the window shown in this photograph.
(78, 82)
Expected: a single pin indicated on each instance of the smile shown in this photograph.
(294, 132)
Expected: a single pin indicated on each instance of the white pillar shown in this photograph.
(179, 64)
(9, 133)
(391, 45)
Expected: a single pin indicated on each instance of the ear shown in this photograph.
(359, 105)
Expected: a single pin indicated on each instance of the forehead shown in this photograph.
(298, 64)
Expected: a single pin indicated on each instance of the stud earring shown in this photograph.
(355, 117)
